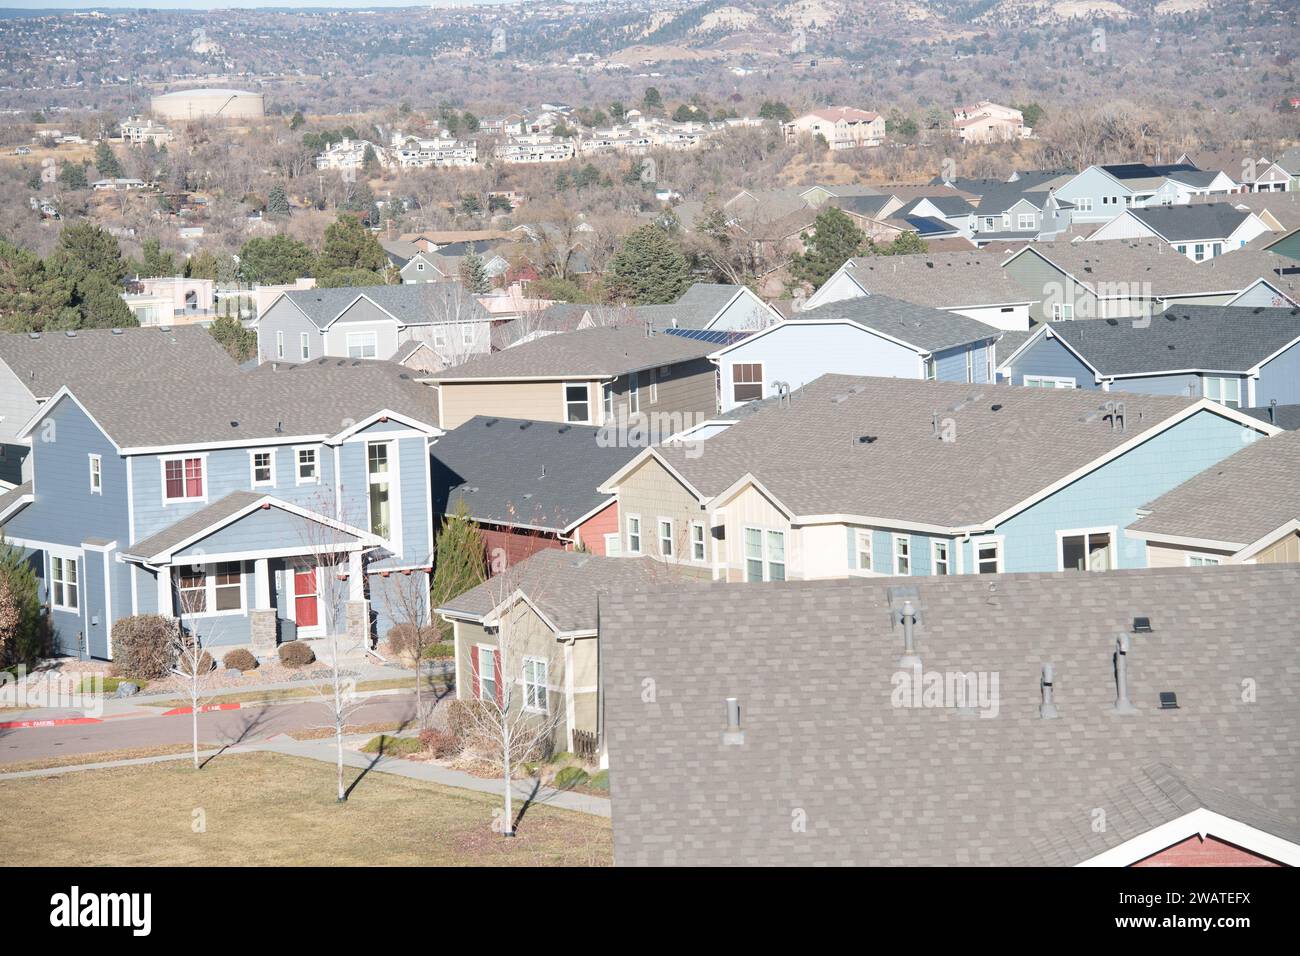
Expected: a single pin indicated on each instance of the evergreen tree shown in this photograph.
(834, 240)
(24, 627)
(106, 163)
(652, 100)
(473, 272)
(73, 175)
(906, 244)
(154, 262)
(296, 121)
(345, 278)
(274, 260)
(775, 110)
(649, 268)
(458, 562)
(277, 202)
(349, 245)
(369, 161)
(240, 342)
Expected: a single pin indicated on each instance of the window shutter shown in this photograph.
(496, 669)
(473, 669)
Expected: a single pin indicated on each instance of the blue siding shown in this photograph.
(1279, 379)
(1188, 386)
(950, 364)
(1049, 357)
(273, 527)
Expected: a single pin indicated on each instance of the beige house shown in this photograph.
(1244, 511)
(527, 639)
(604, 375)
(843, 127)
(986, 122)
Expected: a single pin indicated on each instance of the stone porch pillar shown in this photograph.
(261, 617)
(358, 608)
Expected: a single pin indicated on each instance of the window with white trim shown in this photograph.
(304, 345)
(377, 477)
(1048, 381)
(183, 479)
(577, 409)
(698, 552)
(535, 696)
(1025, 220)
(931, 369)
(1062, 311)
(764, 555)
(666, 537)
(96, 475)
(64, 595)
(439, 337)
(363, 345)
(279, 345)
(988, 557)
(487, 673)
(902, 554)
(1202, 560)
(467, 336)
(939, 558)
(746, 381)
(263, 465)
(607, 400)
(1083, 204)
(633, 534)
(1225, 391)
(307, 465)
(633, 393)
(1088, 551)
(970, 365)
(210, 588)
(864, 550)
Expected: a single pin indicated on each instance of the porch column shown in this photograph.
(358, 609)
(166, 606)
(261, 618)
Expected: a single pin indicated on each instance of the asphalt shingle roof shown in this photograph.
(1011, 444)
(1239, 500)
(599, 351)
(193, 524)
(44, 362)
(517, 472)
(944, 280)
(1283, 416)
(930, 330)
(1191, 222)
(416, 303)
(879, 784)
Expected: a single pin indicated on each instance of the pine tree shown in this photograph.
(649, 268)
(240, 342)
(473, 272)
(459, 561)
(24, 627)
(349, 245)
(834, 240)
(73, 175)
(106, 163)
(277, 202)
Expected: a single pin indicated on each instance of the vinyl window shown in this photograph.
(304, 345)
(1062, 311)
(666, 537)
(747, 381)
(377, 475)
(306, 459)
(64, 595)
(279, 345)
(1225, 391)
(211, 588)
(864, 550)
(633, 534)
(362, 345)
(697, 541)
(96, 475)
(1048, 381)
(535, 697)
(902, 554)
(1202, 560)
(633, 393)
(487, 673)
(183, 479)
(263, 465)
(939, 557)
(764, 555)
(576, 406)
(988, 557)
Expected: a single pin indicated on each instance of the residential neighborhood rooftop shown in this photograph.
(944, 280)
(418, 303)
(926, 328)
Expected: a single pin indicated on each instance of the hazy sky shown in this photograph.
(228, 4)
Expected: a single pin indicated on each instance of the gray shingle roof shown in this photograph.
(879, 784)
(930, 330)
(1207, 337)
(696, 308)
(810, 456)
(600, 351)
(564, 585)
(47, 361)
(1191, 222)
(948, 205)
(1283, 416)
(190, 525)
(944, 280)
(313, 398)
(417, 303)
(516, 472)
(1239, 500)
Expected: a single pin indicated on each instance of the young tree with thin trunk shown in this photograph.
(194, 665)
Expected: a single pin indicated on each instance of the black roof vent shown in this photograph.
(1141, 625)
(866, 439)
(996, 408)
(234, 424)
(1168, 700)
(490, 422)
(524, 426)
(1112, 321)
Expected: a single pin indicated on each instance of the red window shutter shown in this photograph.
(473, 669)
(496, 669)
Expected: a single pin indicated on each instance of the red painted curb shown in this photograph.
(59, 722)
(202, 710)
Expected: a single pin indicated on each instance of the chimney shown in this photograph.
(1047, 709)
(910, 658)
(733, 734)
(1122, 703)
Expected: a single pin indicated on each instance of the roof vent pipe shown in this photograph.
(934, 424)
(1047, 709)
(1272, 411)
(1122, 703)
(733, 734)
(907, 616)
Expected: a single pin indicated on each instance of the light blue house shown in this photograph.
(868, 335)
(274, 505)
(1244, 358)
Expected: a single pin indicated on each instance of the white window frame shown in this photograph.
(490, 652)
(633, 393)
(535, 688)
(389, 477)
(1043, 381)
(1197, 559)
(61, 585)
(279, 344)
(210, 590)
(1083, 204)
(1112, 549)
(1220, 380)
(439, 337)
(252, 467)
(936, 560)
(970, 366)
(315, 464)
(467, 336)
(699, 539)
(660, 525)
(998, 542)
(930, 368)
(634, 530)
(371, 337)
(304, 345)
(1062, 311)
(607, 401)
(867, 536)
(1025, 220)
(162, 475)
(586, 402)
(903, 555)
(765, 552)
(96, 465)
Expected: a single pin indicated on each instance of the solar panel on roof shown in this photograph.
(718, 336)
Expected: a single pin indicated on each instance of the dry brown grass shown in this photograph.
(261, 809)
(72, 760)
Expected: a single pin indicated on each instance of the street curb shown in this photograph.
(53, 722)
(206, 708)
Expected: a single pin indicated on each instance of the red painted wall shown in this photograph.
(592, 531)
(1208, 852)
(516, 545)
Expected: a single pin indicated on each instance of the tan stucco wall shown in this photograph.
(1175, 556)
(652, 493)
(750, 508)
(542, 401)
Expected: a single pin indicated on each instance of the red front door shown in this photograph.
(304, 596)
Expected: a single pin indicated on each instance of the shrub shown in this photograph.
(439, 651)
(404, 641)
(240, 659)
(296, 654)
(465, 717)
(569, 777)
(599, 780)
(143, 647)
(25, 632)
(440, 743)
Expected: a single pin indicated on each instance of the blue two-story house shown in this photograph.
(1240, 357)
(275, 505)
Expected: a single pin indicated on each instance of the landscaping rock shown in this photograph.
(126, 689)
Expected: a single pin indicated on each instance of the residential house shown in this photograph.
(707, 306)
(1265, 176)
(118, 185)
(138, 131)
(816, 195)
(603, 375)
(1028, 208)
(1100, 193)
(168, 300)
(263, 506)
(412, 152)
(842, 127)
(868, 335)
(1135, 278)
(535, 628)
(858, 751)
(1244, 358)
(350, 154)
(894, 476)
(986, 122)
(971, 284)
(373, 322)
(1244, 510)
(1199, 231)
(535, 148)
(529, 485)
(35, 365)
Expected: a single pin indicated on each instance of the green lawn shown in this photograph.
(266, 809)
